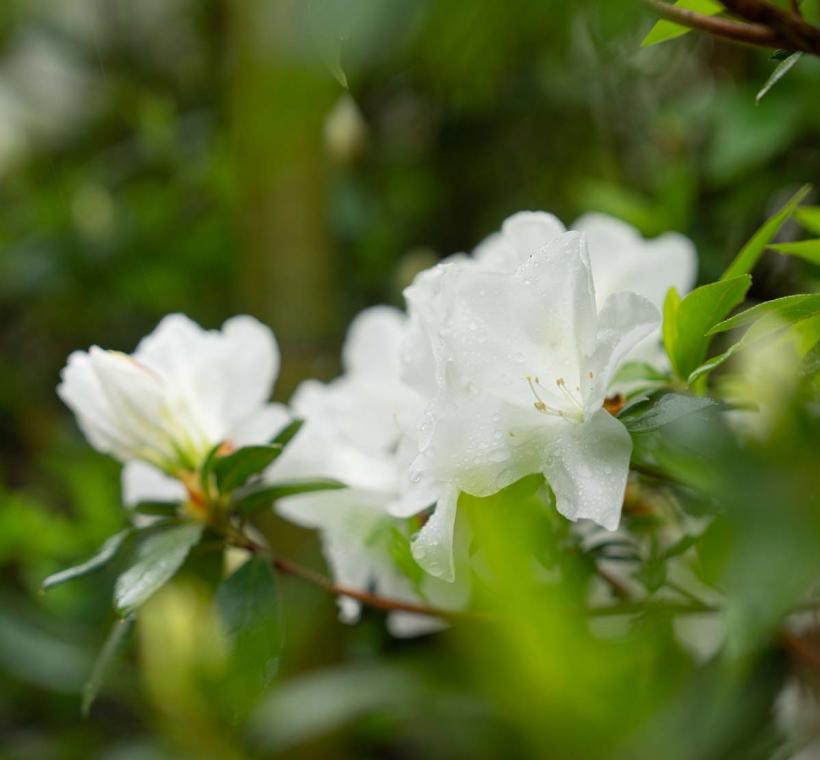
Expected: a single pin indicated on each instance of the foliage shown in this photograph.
(189, 161)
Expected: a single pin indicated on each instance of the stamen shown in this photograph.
(562, 384)
(539, 402)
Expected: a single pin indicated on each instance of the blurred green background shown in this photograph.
(300, 160)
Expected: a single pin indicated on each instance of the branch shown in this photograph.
(376, 601)
(736, 31)
(789, 26)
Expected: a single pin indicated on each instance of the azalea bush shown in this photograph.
(559, 496)
(532, 379)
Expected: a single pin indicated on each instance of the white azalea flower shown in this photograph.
(514, 359)
(185, 389)
(354, 432)
(621, 261)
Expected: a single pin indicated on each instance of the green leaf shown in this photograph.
(663, 409)
(157, 508)
(667, 30)
(770, 325)
(789, 309)
(671, 306)
(806, 333)
(287, 433)
(233, 470)
(265, 496)
(686, 337)
(159, 556)
(681, 546)
(106, 553)
(745, 261)
(207, 467)
(810, 365)
(117, 637)
(782, 68)
(634, 377)
(809, 218)
(249, 608)
(805, 249)
(403, 558)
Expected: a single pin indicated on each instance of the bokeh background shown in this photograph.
(299, 160)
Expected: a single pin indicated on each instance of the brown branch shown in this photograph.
(788, 25)
(736, 31)
(619, 588)
(365, 597)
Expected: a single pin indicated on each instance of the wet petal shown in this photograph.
(587, 467)
(625, 320)
(433, 544)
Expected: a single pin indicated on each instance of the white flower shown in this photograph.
(620, 259)
(185, 389)
(354, 432)
(514, 360)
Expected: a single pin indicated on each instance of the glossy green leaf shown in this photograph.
(287, 433)
(106, 553)
(207, 467)
(770, 325)
(804, 249)
(745, 261)
(233, 470)
(663, 409)
(634, 377)
(159, 556)
(809, 218)
(157, 508)
(782, 68)
(789, 309)
(667, 30)
(686, 334)
(671, 306)
(263, 497)
(114, 643)
(249, 608)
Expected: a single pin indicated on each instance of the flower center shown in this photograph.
(576, 411)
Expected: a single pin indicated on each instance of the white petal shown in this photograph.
(500, 330)
(80, 390)
(218, 378)
(405, 625)
(530, 231)
(349, 522)
(137, 400)
(251, 364)
(481, 444)
(433, 544)
(623, 261)
(342, 438)
(496, 253)
(522, 235)
(625, 320)
(142, 482)
(587, 469)
(261, 426)
(430, 299)
(373, 343)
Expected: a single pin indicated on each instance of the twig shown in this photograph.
(788, 25)
(641, 607)
(652, 472)
(736, 31)
(365, 597)
(618, 587)
(685, 593)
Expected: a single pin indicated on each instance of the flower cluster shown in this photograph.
(499, 369)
